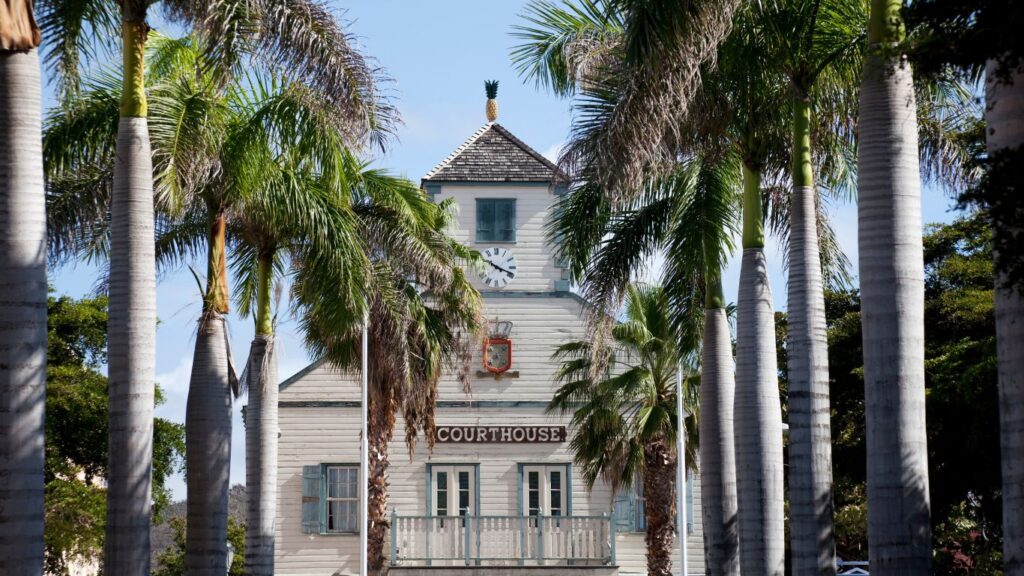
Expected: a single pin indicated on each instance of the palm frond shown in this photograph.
(75, 34)
(562, 46)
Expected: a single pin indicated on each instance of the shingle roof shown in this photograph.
(493, 154)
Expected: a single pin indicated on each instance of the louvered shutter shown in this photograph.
(689, 501)
(312, 476)
(506, 220)
(623, 510)
(485, 220)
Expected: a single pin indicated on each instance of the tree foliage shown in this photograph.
(76, 434)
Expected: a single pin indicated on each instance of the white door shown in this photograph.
(453, 493)
(544, 491)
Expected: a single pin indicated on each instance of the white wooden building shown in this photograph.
(499, 459)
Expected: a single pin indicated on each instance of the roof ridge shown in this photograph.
(469, 141)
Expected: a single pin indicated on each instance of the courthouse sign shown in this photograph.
(500, 434)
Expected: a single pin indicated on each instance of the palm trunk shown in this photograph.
(208, 451)
(810, 436)
(380, 430)
(261, 430)
(23, 310)
(660, 507)
(758, 419)
(892, 305)
(208, 420)
(1005, 119)
(717, 456)
(132, 320)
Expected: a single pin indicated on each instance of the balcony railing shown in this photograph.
(502, 540)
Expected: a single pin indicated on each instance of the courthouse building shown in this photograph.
(499, 488)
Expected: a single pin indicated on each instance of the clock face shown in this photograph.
(499, 267)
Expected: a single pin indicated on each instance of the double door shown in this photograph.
(544, 491)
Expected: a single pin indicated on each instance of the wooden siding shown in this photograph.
(541, 322)
(536, 265)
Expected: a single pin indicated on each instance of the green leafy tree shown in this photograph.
(76, 434)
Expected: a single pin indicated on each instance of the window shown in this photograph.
(342, 500)
(330, 499)
(630, 507)
(495, 220)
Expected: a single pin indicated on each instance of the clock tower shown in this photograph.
(505, 191)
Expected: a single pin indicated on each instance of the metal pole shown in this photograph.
(681, 472)
(364, 449)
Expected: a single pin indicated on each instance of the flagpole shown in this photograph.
(364, 449)
(681, 472)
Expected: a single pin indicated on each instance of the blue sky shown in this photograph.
(439, 53)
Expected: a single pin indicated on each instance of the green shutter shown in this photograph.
(623, 510)
(484, 220)
(311, 480)
(689, 502)
(506, 220)
(495, 220)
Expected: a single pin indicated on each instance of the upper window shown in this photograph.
(495, 220)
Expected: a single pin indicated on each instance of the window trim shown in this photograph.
(515, 217)
(429, 500)
(324, 502)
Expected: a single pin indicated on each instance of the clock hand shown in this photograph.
(499, 268)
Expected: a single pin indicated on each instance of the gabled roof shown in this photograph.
(493, 154)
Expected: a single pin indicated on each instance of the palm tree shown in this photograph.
(740, 107)
(195, 172)
(624, 423)
(892, 296)
(691, 217)
(1004, 97)
(22, 294)
(305, 41)
(423, 316)
(290, 213)
(817, 47)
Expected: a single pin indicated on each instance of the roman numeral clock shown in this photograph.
(499, 267)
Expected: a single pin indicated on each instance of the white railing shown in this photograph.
(851, 567)
(501, 540)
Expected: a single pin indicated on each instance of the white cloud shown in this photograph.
(553, 151)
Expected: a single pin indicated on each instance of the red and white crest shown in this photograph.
(497, 351)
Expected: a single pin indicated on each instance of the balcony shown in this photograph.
(502, 541)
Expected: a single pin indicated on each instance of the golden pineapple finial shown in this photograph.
(491, 89)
